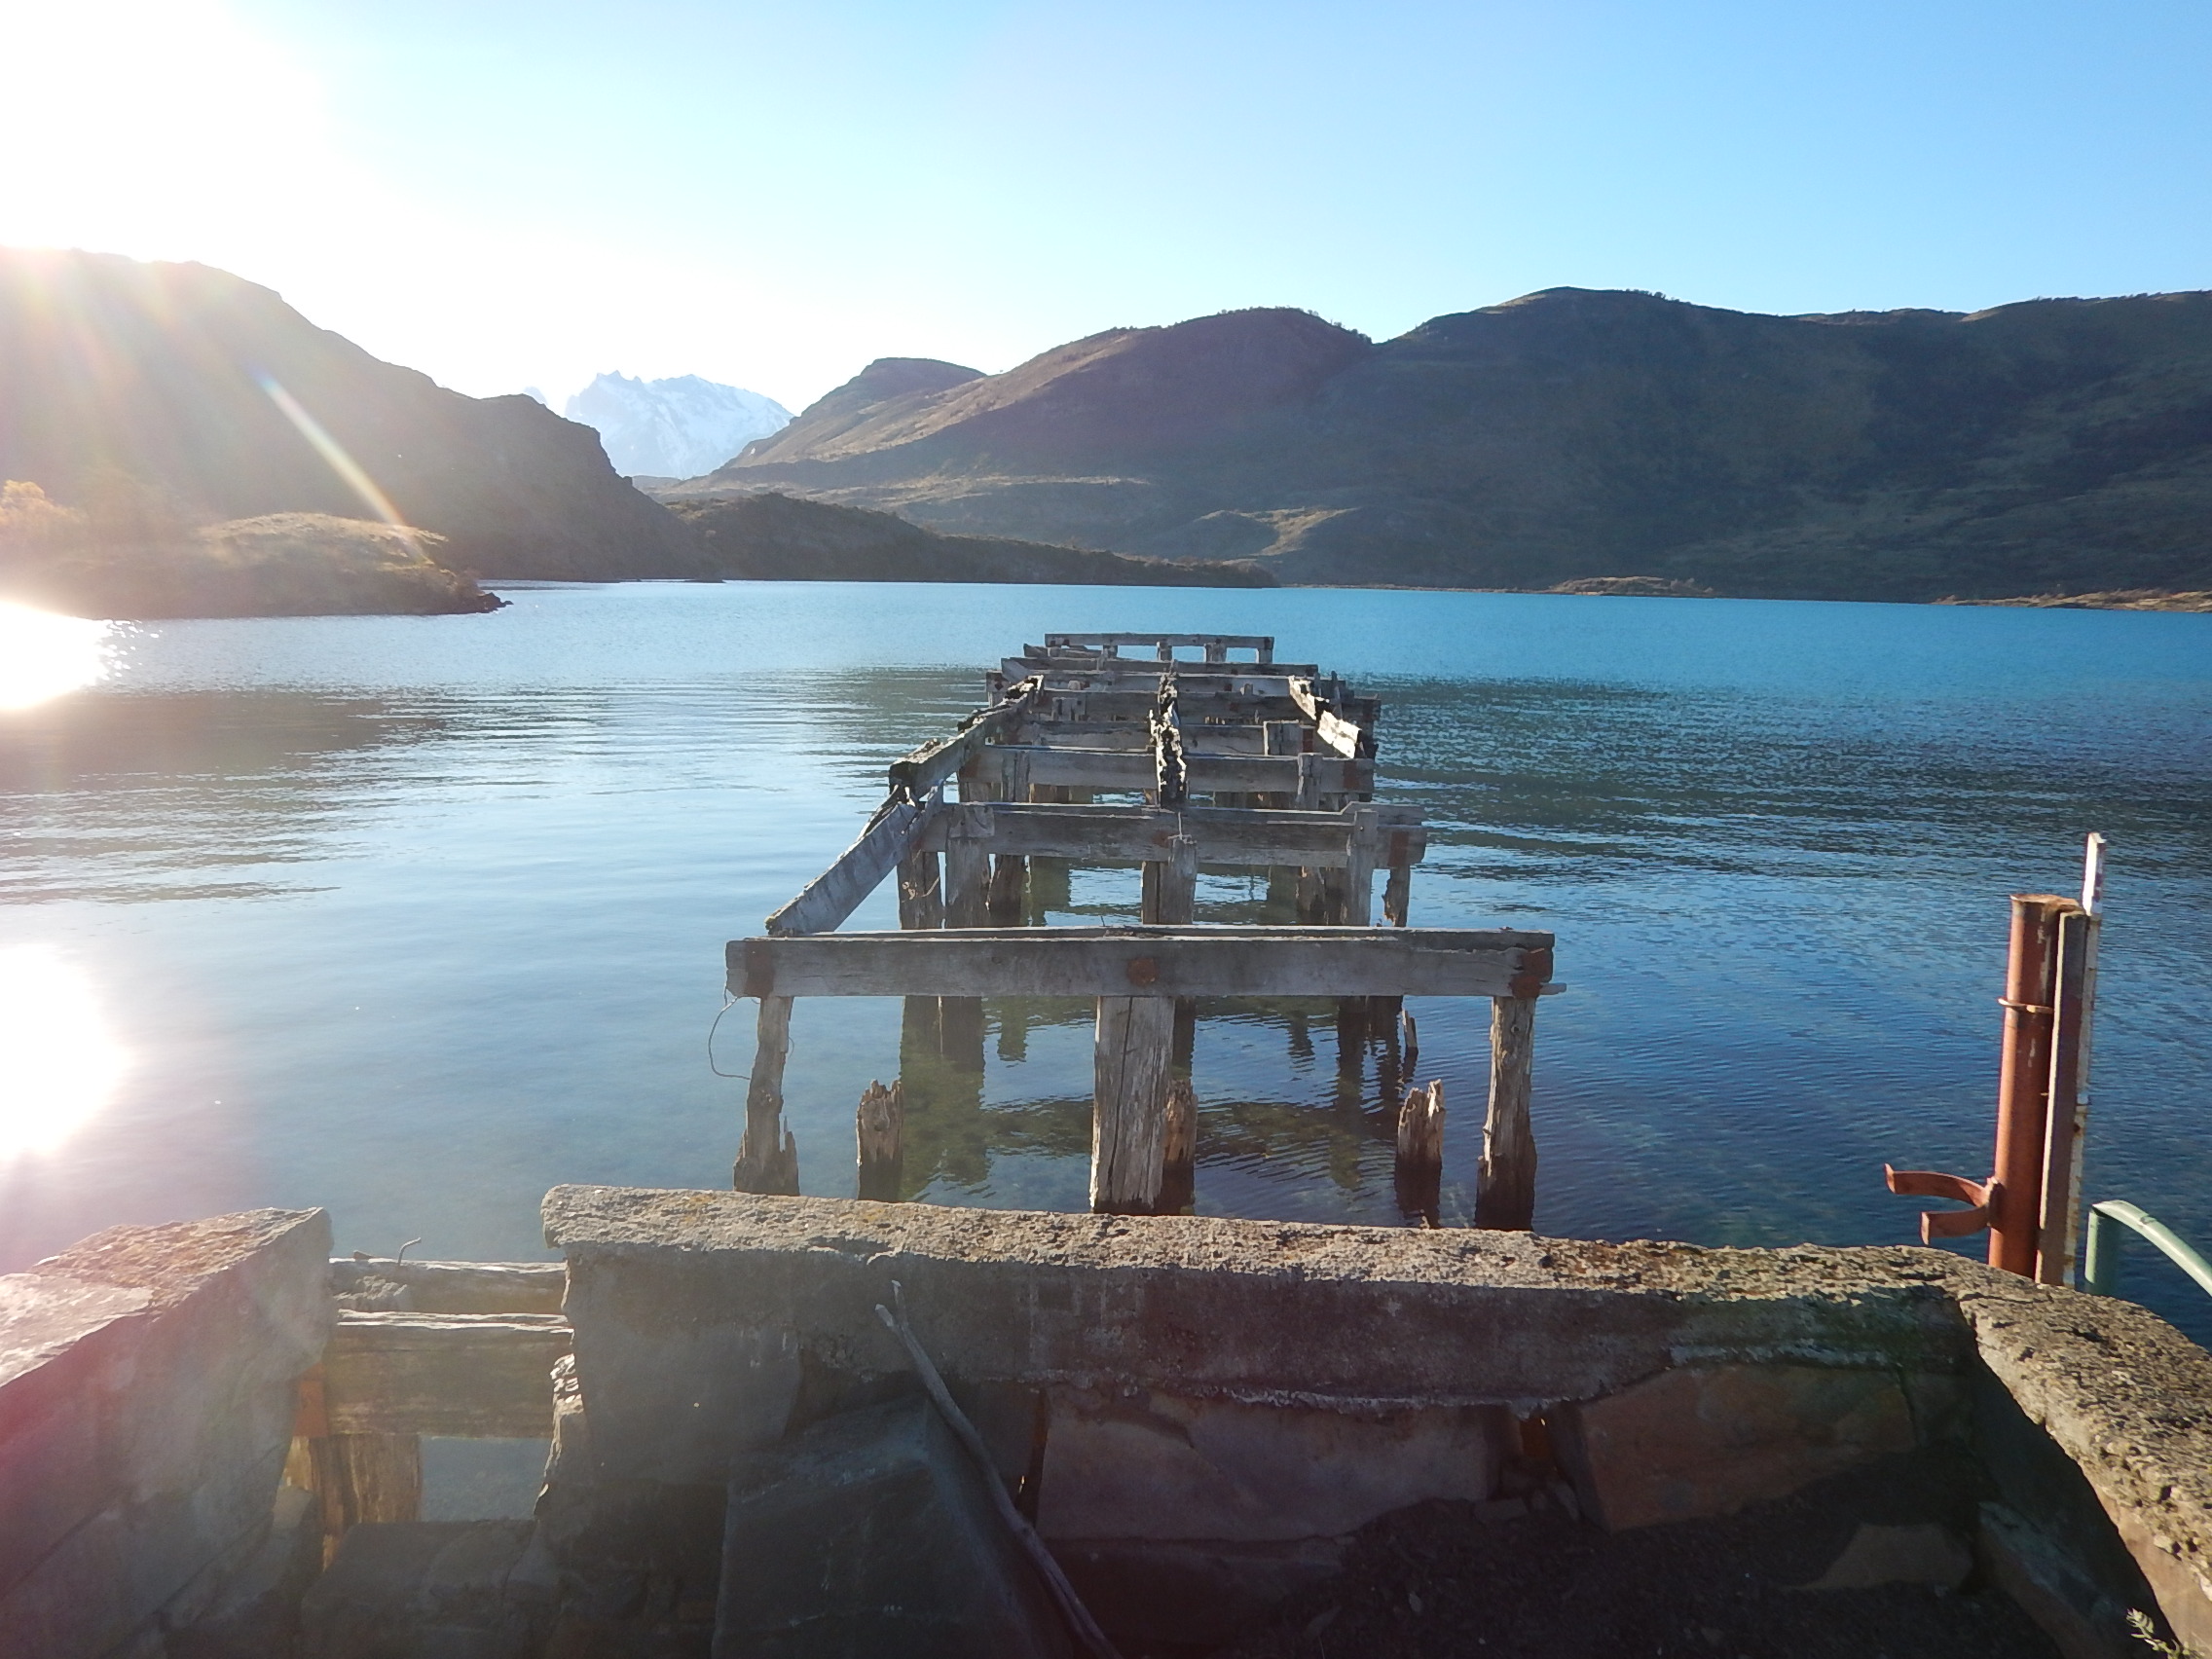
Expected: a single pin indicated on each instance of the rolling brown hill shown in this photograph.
(140, 394)
(2052, 444)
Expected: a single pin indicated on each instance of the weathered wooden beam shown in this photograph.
(1336, 734)
(1170, 889)
(914, 775)
(1062, 673)
(825, 903)
(767, 1157)
(1145, 962)
(967, 873)
(1198, 738)
(457, 1287)
(1505, 1190)
(1128, 769)
(1221, 701)
(479, 1376)
(1108, 644)
(921, 889)
(1128, 1119)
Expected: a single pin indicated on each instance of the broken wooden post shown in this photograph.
(1418, 1176)
(767, 1159)
(1505, 1188)
(921, 891)
(1179, 1155)
(879, 1125)
(1128, 1119)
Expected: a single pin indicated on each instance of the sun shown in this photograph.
(42, 655)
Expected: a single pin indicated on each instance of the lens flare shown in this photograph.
(42, 655)
(61, 1062)
(345, 465)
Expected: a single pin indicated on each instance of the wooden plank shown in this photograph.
(1214, 700)
(1225, 835)
(1145, 962)
(1505, 1188)
(1335, 733)
(1129, 770)
(1261, 643)
(1198, 737)
(480, 1375)
(825, 903)
(1129, 1117)
(1079, 672)
(457, 1287)
(914, 775)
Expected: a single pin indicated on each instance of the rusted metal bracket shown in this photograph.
(1981, 1195)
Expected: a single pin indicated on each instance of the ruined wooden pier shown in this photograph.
(1111, 749)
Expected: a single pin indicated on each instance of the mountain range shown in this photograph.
(165, 418)
(160, 399)
(2048, 445)
(673, 428)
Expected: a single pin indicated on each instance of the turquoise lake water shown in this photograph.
(415, 918)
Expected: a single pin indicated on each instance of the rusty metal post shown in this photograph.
(2023, 1083)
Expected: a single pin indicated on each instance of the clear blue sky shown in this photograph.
(503, 193)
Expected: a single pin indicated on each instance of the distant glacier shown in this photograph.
(673, 428)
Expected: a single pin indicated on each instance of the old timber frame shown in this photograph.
(1228, 760)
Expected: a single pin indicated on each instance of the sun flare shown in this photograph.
(42, 655)
(61, 1062)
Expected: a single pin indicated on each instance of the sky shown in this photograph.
(507, 194)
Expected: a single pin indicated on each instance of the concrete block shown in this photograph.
(1154, 1465)
(1710, 1440)
(872, 1534)
(146, 1403)
(65, 1348)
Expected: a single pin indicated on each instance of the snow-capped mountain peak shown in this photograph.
(673, 428)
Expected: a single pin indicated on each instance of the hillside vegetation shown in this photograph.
(277, 565)
(775, 538)
(2051, 446)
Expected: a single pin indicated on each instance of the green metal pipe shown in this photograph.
(2102, 1269)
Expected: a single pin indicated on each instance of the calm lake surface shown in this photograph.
(415, 918)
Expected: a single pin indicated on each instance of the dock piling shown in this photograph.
(879, 1128)
(1505, 1190)
(767, 1158)
(1128, 1120)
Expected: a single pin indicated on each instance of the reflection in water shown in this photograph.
(441, 906)
(59, 1060)
(42, 655)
